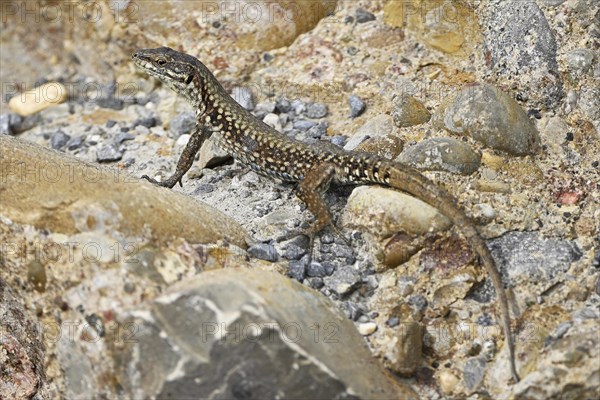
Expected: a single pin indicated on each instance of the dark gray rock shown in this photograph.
(263, 251)
(75, 142)
(357, 106)
(239, 333)
(363, 16)
(244, 97)
(316, 110)
(182, 124)
(283, 106)
(442, 154)
(109, 153)
(521, 44)
(148, 122)
(316, 269)
(58, 140)
(110, 123)
(490, 116)
(297, 270)
(294, 252)
(343, 281)
(531, 257)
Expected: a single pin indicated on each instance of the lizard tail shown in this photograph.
(411, 181)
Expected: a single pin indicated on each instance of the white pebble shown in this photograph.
(38, 99)
(367, 328)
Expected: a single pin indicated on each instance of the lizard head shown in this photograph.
(184, 74)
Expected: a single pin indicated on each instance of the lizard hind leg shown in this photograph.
(310, 191)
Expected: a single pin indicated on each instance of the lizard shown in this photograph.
(312, 166)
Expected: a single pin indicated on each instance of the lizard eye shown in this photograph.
(188, 80)
(161, 61)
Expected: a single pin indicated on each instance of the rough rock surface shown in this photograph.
(70, 196)
(22, 371)
(272, 336)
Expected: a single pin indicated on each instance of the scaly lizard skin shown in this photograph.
(314, 167)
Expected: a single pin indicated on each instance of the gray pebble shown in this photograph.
(344, 252)
(110, 102)
(338, 140)
(283, 106)
(418, 302)
(352, 310)
(357, 106)
(343, 281)
(123, 136)
(393, 322)
(561, 330)
(485, 320)
(75, 142)
(474, 372)
(316, 269)
(110, 123)
(148, 122)
(21, 124)
(363, 16)
(329, 268)
(297, 270)
(316, 110)
(327, 238)
(294, 252)
(182, 124)
(266, 107)
(244, 97)
(318, 130)
(442, 154)
(204, 188)
(580, 60)
(304, 124)
(298, 106)
(108, 153)
(263, 251)
(58, 140)
(553, 3)
(5, 128)
(315, 283)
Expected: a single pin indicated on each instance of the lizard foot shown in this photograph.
(169, 183)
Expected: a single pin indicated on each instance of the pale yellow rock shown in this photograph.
(384, 212)
(38, 99)
(448, 382)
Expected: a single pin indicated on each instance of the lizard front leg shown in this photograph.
(186, 159)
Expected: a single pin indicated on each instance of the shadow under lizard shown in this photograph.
(313, 166)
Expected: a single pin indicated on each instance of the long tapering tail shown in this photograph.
(407, 179)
